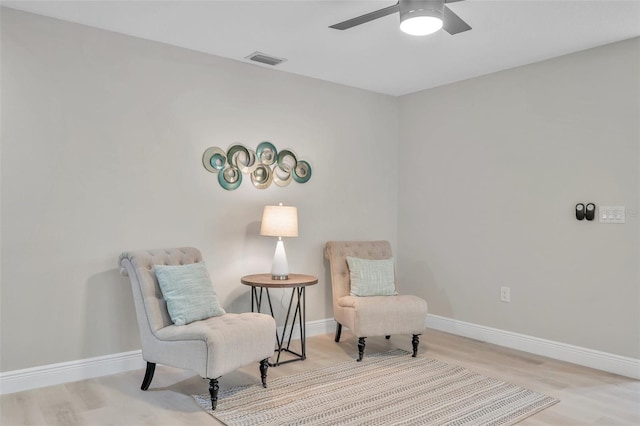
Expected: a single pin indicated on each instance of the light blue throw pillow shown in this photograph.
(188, 292)
(371, 277)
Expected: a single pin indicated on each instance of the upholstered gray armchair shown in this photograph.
(211, 347)
(375, 315)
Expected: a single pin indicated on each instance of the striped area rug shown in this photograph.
(390, 388)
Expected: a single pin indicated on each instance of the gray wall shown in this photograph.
(102, 141)
(490, 171)
(102, 138)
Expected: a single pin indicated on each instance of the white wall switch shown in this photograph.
(505, 294)
(611, 214)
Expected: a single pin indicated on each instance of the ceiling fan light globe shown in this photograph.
(421, 25)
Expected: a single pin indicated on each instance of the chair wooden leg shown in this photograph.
(361, 348)
(213, 391)
(264, 365)
(338, 331)
(415, 342)
(387, 337)
(148, 375)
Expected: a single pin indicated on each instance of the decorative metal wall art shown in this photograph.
(265, 165)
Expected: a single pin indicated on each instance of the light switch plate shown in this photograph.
(611, 214)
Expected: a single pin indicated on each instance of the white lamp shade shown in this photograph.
(279, 221)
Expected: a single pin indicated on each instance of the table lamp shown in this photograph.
(279, 221)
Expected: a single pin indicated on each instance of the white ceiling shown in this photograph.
(375, 56)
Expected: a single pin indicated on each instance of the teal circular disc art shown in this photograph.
(302, 172)
(230, 178)
(214, 159)
(266, 153)
(262, 177)
(287, 160)
(264, 166)
(234, 151)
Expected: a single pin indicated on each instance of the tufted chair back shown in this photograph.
(337, 252)
(151, 308)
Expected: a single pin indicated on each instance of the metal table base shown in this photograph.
(299, 315)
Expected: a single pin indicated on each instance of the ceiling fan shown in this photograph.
(417, 17)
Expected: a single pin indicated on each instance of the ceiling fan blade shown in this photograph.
(366, 18)
(452, 1)
(452, 23)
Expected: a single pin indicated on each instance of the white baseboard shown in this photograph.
(55, 374)
(624, 366)
(64, 372)
(313, 328)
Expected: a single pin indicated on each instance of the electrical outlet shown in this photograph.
(505, 294)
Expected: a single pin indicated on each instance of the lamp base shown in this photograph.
(280, 267)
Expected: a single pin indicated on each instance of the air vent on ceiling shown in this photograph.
(265, 59)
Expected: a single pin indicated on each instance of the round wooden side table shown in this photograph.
(261, 283)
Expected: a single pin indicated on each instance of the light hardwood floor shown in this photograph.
(587, 396)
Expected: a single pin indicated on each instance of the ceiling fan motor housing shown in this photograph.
(417, 17)
(413, 8)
